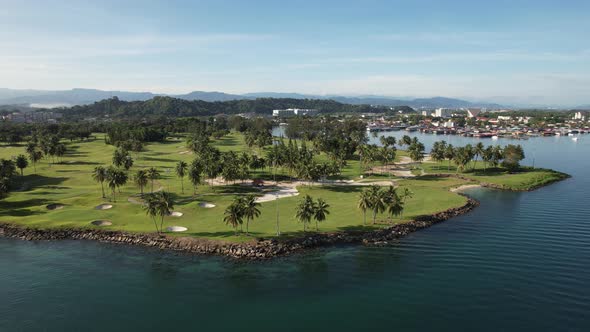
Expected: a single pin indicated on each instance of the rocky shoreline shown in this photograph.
(562, 177)
(260, 249)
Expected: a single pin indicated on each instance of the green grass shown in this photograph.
(70, 183)
(526, 178)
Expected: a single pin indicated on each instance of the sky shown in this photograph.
(503, 51)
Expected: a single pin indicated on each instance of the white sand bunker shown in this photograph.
(54, 206)
(176, 229)
(103, 207)
(101, 223)
(206, 205)
(176, 214)
(185, 152)
(281, 193)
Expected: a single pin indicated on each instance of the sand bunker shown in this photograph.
(176, 229)
(103, 207)
(206, 205)
(281, 193)
(176, 214)
(101, 223)
(465, 187)
(185, 152)
(54, 206)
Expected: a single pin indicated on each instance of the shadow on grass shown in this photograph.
(33, 181)
(21, 208)
(163, 160)
(77, 162)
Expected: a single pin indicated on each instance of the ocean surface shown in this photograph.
(519, 262)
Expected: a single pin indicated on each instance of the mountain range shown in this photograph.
(56, 98)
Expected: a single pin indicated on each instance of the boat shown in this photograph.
(494, 137)
(575, 139)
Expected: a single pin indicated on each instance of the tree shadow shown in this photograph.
(163, 160)
(21, 208)
(428, 177)
(77, 162)
(33, 181)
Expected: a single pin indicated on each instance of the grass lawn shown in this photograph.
(70, 183)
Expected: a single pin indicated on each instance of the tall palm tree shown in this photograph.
(394, 203)
(250, 209)
(141, 179)
(115, 179)
(364, 203)
(100, 175)
(320, 212)
(378, 201)
(153, 174)
(233, 215)
(22, 163)
(180, 169)
(305, 211)
(159, 204)
(478, 150)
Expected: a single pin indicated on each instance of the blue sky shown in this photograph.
(505, 51)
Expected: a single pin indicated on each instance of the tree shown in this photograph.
(22, 163)
(250, 209)
(512, 155)
(463, 156)
(233, 215)
(159, 204)
(449, 154)
(181, 168)
(100, 175)
(486, 156)
(115, 179)
(305, 211)
(320, 212)
(394, 203)
(416, 151)
(364, 203)
(478, 150)
(153, 174)
(194, 174)
(60, 151)
(141, 179)
(378, 201)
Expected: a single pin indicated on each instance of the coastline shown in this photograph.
(259, 250)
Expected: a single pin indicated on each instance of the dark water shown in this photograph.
(521, 261)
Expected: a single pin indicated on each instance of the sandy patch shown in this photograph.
(103, 207)
(54, 207)
(282, 192)
(185, 152)
(176, 214)
(465, 186)
(176, 229)
(206, 205)
(101, 223)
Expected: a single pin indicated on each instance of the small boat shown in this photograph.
(494, 137)
(575, 139)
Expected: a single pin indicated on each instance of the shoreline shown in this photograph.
(259, 250)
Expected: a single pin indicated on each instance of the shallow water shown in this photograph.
(521, 261)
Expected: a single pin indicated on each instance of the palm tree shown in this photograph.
(100, 175)
(250, 209)
(153, 174)
(233, 215)
(378, 201)
(364, 203)
(449, 155)
(22, 163)
(478, 150)
(141, 179)
(305, 211)
(115, 179)
(159, 204)
(195, 174)
(181, 168)
(394, 203)
(320, 212)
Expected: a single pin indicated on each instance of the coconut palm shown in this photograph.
(449, 154)
(22, 163)
(195, 174)
(115, 179)
(233, 215)
(141, 179)
(478, 150)
(100, 175)
(364, 203)
(320, 212)
(181, 168)
(153, 174)
(305, 211)
(394, 203)
(159, 204)
(378, 201)
(250, 209)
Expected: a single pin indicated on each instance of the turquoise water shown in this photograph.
(521, 261)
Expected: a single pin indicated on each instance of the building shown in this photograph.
(579, 116)
(289, 112)
(504, 118)
(443, 112)
(473, 112)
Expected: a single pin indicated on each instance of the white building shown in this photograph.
(443, 112)
(579, 116)
(473, 112)
(504, 118)
(294, 112)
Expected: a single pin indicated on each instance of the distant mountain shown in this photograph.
(40, 98)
